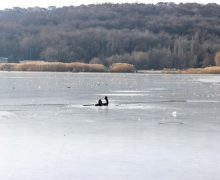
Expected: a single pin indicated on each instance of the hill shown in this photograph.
(165, 35)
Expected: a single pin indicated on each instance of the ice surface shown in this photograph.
(130, 91)
(210, 79)
(121, 94)
(117, 106)
(174, 114)
(202, 101)
(5, 114)
(169, 131)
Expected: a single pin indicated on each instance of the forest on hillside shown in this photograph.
(165, 35)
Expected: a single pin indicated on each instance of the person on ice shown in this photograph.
(100, 103)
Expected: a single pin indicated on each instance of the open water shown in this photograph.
(157, 127)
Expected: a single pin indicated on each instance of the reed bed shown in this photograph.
(207, 70)
(122, 67)
(212, 70)
(53, 67)
(7, 66)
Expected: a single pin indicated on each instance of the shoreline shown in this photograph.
(77, 67)
(41, 66)
(206, 70)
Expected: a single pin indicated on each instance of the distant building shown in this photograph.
(3, 60)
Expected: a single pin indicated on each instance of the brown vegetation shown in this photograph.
(217, 58)
(122, 67)
(207, 70)
(53, 67)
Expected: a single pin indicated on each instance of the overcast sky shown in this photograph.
(59, 3)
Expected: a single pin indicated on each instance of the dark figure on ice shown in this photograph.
(106, 101)
(99, 103)
(102, 104)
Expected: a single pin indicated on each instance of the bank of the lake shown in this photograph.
(42, 66)
(206, 70)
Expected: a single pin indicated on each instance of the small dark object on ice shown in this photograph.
(100, 103)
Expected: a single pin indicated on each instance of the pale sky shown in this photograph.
(59, 3)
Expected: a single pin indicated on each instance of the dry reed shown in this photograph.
(212, 70)
(122, 67)
(207, 70)
(53, 67)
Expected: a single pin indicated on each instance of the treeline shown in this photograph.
(165, 35)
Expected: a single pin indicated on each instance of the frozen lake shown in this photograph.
(157, 127)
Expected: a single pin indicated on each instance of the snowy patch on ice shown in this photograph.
(202, 101)
(89, 121)
(122, 94)
(129, 91)
(157, 89)
(133, 106)
(116, 106)
(174, 114)
(212, 79)
(171, 122)
(5, 114)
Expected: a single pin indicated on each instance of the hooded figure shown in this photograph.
(106, 103)
(99, 103)
(102, 104)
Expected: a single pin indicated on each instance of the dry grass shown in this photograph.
(217, 58)
(170, 71)
(207, 70)
(53, 67)
(211, 70)
(7, 66)
(191, 71)
(122, 67)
